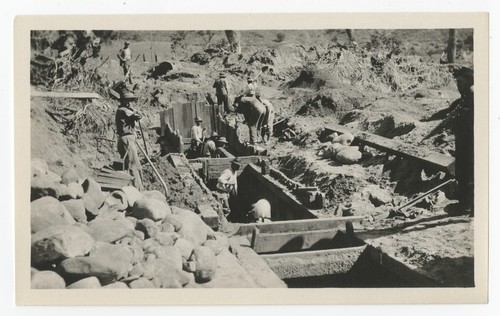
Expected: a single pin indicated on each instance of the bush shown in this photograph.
(280, 37)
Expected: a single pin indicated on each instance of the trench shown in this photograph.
(304, 251)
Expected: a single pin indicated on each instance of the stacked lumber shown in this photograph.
(111, 179)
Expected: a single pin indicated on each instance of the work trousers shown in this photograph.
(127, 148)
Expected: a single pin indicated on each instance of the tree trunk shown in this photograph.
(234, 39)
(452, 46)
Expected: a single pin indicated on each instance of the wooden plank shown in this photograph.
(71, 95)
(113, 182)
(299, 225)
(115, 176)
(440, 161)
(163, 122)
(294, 241)
(110, 187)
(226, 153)
(313, 263)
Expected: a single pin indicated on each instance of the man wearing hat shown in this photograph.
(209, 146)
(222, 92)
(464, 139)
(125, 57)
(251, 88)
(227, 181)
(220, 143)
(197, 136)
(125, 119)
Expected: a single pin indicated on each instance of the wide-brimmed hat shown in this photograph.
(127, 43)
(221, 139)
(464, 72)
(198, 119)
(222, 75)
(127, 95)
(214, 134)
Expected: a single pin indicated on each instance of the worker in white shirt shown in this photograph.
(197, 135)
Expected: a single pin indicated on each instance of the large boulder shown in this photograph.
(87, 283)
(38, 167)
(150, 208)
(77, 209)
(349, 155)
(116, 285)
(378, 196)
(344, 139)
(107, 269)
(43, 185)
(70, 191)
(132, 195)
(48, 211)
(47, 280)
(206, 264)
(116, 200)
(193, 227)
(163, 273)
(219, 244)
(108, 230)
(148, 227)
(118, 252)
(142, 283)
(155, 194)
(69, 176)
(185, 247)
(93, 198)
(59, 242)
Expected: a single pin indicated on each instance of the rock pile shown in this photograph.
(83, 237)
(339, 147)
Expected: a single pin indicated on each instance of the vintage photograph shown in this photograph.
(252, 159)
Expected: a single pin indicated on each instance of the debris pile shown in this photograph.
(83, 237)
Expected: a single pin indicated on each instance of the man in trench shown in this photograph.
(197, 136)
(125, 119)
(228, 184)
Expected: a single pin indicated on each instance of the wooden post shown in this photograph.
(143, 58)
(452, 46)
(255, 232)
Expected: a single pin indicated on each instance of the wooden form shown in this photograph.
(284, 206)
(394, 147)
(71, 95)
(181, 116)
(313, 263)
(301, 225)
(213, 167)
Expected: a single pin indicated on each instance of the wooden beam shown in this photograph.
(292, 241)
(313, 263)
(300, 225)
(394, 147)
(71, 95)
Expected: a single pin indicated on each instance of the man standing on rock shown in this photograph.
(464, 140)
(125, 119)
(125, 57)
(222, 92)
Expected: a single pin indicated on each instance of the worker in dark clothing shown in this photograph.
(125, 119)
(464, 140)
(222, 92)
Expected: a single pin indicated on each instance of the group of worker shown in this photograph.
(206, 147)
